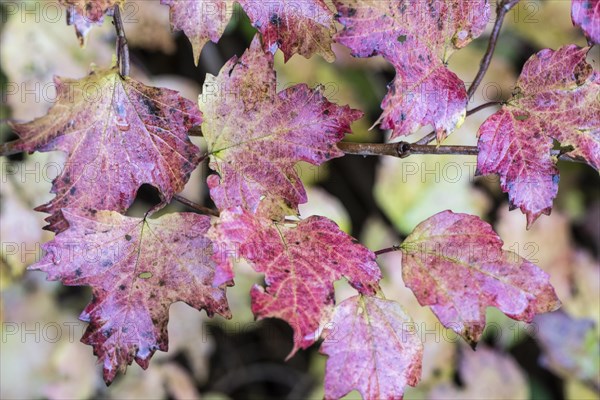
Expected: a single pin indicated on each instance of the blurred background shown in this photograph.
(378, 200)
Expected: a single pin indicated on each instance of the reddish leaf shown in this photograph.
(200, 20)
(300, 264)
(455, 264)
(570, 346)
(119, 134)
(296, 27)
(586, 15)
(304, 27)
(556, 97)
(508, 148)
(418, 38)
(484, 374)
(373, 348)
(137, 269)
(83, 14)
(256, 136)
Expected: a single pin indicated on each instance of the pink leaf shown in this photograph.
(570, 346)
(304, 27)
(455, 264)
(256, 136)
(418, 38)
(556, 97)
(373, 348)
(118, 134)
(300, 264)
(200, 20)
(137, 269)
(586, 15)
(84, 14)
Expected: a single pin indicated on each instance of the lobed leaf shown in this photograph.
(119, 134)
(455, 264)
(417, 38)
(137, 268)
(372, 347)
(556, 97)
(299, 27)
(570, 346)
(300, 264)
(84, 14)
(586, 15)
(256, 136)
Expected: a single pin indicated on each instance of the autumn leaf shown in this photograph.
(137, 268)
(300, 262)
(570, 346)
(556, 97)
(455, 264)
(83, 14)
(296, 27)
(256, 136)
(505, 380)
(586, 15)
(304, 27)
(372, 347)
(118, 134)
(417, 38)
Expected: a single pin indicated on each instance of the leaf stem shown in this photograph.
(502, 8)
(388, 250)
(432, 135)
(195, 206)
(122, 47)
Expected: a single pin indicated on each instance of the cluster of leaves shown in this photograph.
(120, 134)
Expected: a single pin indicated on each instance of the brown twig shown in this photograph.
(502, 8)
(402, 149)
(195, 206)
(122, 47)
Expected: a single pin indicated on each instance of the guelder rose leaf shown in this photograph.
(83, 14)
(256, 136)
(455, 264)
(556, 97)
(372, 349)
(137, 268)
(200, 20)
(296, 27)
(586, 15)
(118, 134)
(300, 264)
(417, 37)
(509, 147)
(570, 346)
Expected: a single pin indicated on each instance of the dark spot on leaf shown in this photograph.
(128, 237)
(275, 20)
